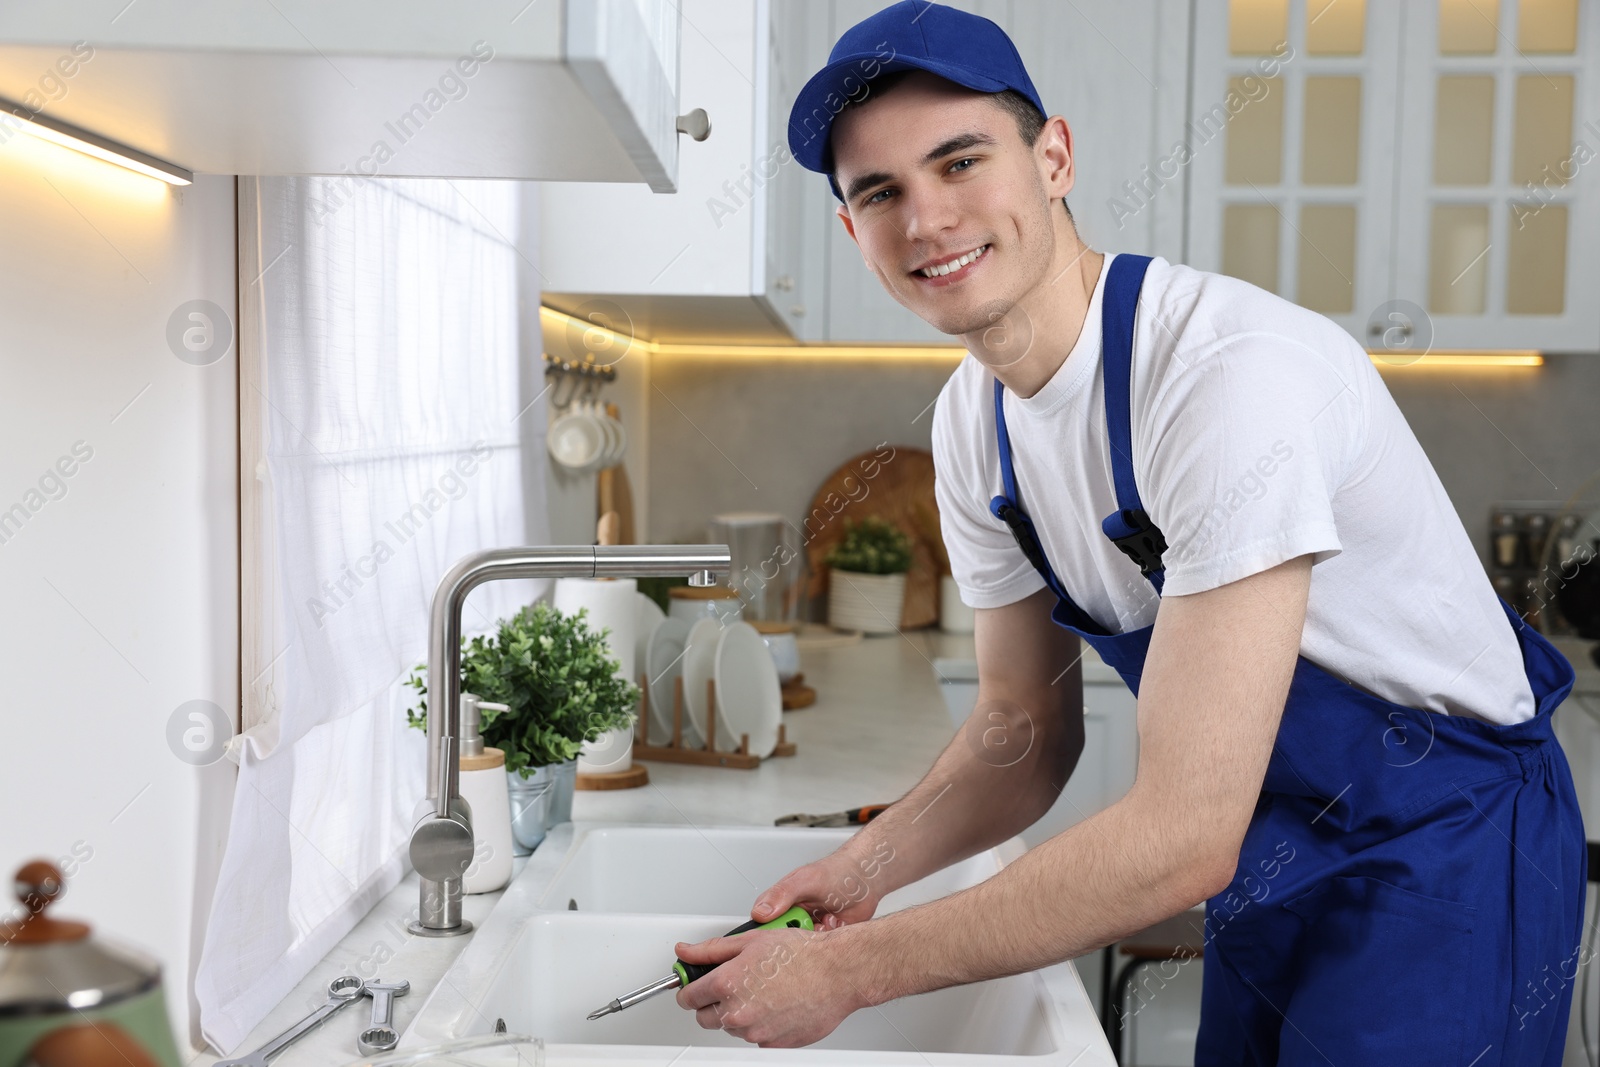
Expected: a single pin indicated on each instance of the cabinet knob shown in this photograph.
(783, 283)
(697, 124)
(797, 310)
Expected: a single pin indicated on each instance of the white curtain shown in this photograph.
(389, 353)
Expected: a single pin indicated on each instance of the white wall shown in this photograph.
(120, 593)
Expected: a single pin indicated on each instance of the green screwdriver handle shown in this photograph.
(796, 918)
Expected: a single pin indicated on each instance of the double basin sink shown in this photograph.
(598, 907)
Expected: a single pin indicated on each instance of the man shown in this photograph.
(1344, 735)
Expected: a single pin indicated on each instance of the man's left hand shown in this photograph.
(774, 988)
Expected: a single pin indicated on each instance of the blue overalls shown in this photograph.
(1411, 886)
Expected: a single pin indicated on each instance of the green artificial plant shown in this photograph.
(871, 546)
(556, 675)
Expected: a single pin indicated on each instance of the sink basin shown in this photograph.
(673, 870)
(541, 968)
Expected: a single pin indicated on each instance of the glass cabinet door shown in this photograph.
(1496, 220)
(1291, 135)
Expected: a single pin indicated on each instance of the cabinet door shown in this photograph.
(800, 208)
(609, 238)
(1117, 71)
(1105, 770)
(1500, 172)
(1291, 142)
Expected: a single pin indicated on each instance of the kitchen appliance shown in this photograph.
(67, 998)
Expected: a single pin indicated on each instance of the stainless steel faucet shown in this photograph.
(441, 840)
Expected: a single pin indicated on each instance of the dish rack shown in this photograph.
(676, 751)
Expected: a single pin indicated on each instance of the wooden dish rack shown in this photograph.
(676, 751)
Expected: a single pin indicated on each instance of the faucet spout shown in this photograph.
(441, 840)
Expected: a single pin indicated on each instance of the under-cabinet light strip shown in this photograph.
(620, 342)
(16, 118)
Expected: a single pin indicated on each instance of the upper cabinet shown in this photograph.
(695, 265)
(1499, 172)
(1418, 171)
(581, 90)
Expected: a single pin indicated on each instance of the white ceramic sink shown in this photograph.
(682, 870)
(542, 968)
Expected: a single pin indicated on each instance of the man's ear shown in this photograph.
(1053, 151)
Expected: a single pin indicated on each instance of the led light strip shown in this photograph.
(625, 343)
(15, 118)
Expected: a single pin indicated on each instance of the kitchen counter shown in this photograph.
(877, 725)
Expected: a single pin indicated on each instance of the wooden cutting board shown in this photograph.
(901, 492)
(613, 493)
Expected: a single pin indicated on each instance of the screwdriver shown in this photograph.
(684, 973)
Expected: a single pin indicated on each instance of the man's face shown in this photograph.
(936, 178)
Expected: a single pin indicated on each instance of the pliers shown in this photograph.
(853, 817)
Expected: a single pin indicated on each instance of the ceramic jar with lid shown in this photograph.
(691, 603)
(71, 1000)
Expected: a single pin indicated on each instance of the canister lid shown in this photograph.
(52, 965)
(701, 592)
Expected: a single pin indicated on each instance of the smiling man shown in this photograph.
(1345, 744)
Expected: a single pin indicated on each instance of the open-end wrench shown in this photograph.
(380, 1035)
(341, 991)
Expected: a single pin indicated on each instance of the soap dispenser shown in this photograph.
(483, 786)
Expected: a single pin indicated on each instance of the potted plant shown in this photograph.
(559, 680)
(867, 576)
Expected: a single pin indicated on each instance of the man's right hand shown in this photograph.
(843, 887)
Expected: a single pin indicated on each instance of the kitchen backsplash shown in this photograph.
(728, 434)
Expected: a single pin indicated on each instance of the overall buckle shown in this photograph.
(1139, 539)
(1021, 529)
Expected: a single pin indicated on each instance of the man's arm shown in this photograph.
(998, 776)
(1214, 684)
(1213, 690)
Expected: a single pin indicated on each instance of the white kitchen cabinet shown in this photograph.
(1116, 71)
(1110, 756)
(694, 265)
(1498, 192)
(1577, 725)
(580, 90)
(799, 207)
(1384, 164)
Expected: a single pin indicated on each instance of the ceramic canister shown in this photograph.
(69, 1000)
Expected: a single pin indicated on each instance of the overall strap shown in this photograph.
(1129, 527)
(1008, 509)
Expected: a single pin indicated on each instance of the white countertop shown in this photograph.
(878, 724)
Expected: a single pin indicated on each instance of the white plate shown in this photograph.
(647, 617)
(575, 440)
(699, 661)
(749, 699)
(664, 663)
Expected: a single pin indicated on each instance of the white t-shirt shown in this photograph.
(1261, 432)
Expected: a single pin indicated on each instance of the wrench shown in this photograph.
(341, 991)
(381, 1036)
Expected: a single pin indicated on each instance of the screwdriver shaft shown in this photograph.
(628, 1000)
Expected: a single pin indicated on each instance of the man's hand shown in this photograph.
(774, 988)
(841, 888)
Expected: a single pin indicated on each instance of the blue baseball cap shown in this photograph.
(911, 35)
